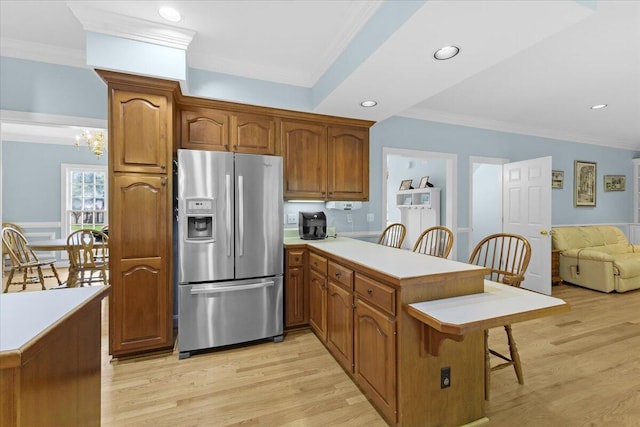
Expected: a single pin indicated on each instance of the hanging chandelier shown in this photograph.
(94, 140)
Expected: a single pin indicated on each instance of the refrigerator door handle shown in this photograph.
(220, 289)
(240, 215)
(229, 219)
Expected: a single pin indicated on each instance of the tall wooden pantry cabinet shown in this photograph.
(140, 205)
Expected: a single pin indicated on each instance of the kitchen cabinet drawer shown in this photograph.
(318, 263)
(295, 258)
(376, 293)
(340, 274)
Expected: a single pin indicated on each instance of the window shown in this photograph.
(84, 197)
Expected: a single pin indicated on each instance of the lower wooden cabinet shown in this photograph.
(375, 356)
(318, 304)
(340, 324)
(295, 291)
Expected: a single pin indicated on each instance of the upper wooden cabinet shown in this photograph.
(204, 129)
(218, 130)
(304, 147)
(140, 131)
(253, 134)
(325, 162)
(348, 163)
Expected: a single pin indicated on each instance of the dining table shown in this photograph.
(49, 245)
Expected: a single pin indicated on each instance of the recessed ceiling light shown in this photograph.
(446, 52)
(599, 106)
(170, 14)
(368, 104)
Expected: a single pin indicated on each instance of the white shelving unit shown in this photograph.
(419, 209)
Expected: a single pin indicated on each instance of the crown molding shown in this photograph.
(101, 21)
(500, 126)
(41, 52)
(44, 128)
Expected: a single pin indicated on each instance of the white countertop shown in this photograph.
(398, 263)
(24, 315)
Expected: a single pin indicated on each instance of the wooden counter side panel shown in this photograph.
(459, 404)
(58, 382)
(463, 401)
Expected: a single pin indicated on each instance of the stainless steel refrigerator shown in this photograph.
(230, 249)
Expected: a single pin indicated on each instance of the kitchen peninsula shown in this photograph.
(362, 301)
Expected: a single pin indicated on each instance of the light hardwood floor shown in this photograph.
(581, 368)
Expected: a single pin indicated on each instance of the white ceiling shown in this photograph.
(531, 67)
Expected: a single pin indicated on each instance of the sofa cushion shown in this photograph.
(628, 265)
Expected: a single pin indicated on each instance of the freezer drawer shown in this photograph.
(223, 313)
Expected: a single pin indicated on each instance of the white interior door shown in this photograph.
(527, 212)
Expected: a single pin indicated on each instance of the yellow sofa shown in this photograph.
(597, 257)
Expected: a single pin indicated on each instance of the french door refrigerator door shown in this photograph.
(205, 178)
(259, 212)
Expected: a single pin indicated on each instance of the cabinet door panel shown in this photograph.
(318, 304)
(141, 308)
(348, 168)
(296, 312)
(204, 129)
(340, 324)
(305, 160)
(253, 134)
(139, 217)
(141, 131)
(375, 356)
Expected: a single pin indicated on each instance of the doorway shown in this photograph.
(485, 193)
(399, 164)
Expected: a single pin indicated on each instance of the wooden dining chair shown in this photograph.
(507, 257)
(393, 235)
(436, 241)
(88, 257)
(25, 261)
(5, 251)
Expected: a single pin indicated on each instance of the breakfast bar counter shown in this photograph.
(411, 317)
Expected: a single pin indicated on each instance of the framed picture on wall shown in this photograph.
(557, 179)
(615, 182)
(584, 183)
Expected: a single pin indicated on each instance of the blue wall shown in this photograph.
(31, 179)
(56, 89)
(612, 207)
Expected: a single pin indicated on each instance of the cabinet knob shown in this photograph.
(338, 274)
(163, 167)
(164, 181)
(369, 291)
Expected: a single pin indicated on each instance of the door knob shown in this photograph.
(544, 232)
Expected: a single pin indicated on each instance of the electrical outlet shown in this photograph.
(369, 217)
(445, 377)
(291, 219)
(349, 218)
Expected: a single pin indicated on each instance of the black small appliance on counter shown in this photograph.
(312, 225)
